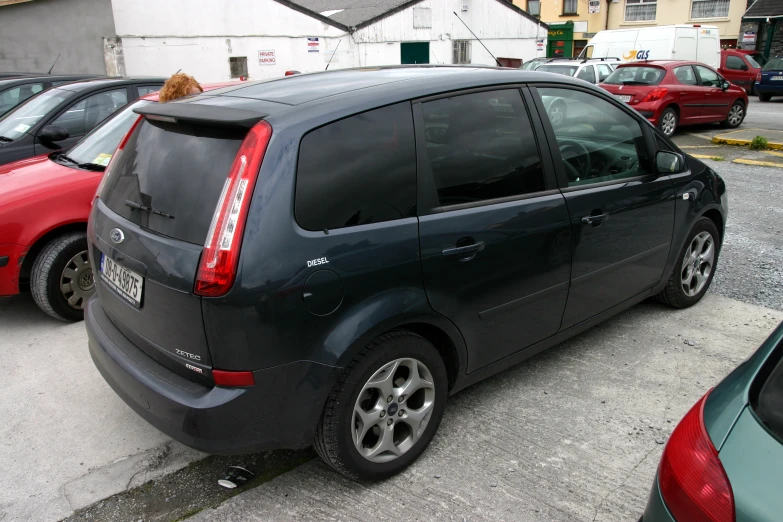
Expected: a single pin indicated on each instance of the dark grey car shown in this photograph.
(322, 259)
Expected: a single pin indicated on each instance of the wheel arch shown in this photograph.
(40, 243)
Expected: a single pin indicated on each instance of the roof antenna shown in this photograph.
(333, 53)
(479, 41)
(436, 57)
(52, 67)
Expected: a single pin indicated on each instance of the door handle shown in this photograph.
(465, 253)
(595, 220)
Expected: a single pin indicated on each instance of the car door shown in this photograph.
(82, 116)
(621, 210)
(735, 70)
(494, 230)
(716, 101)
(690, 94)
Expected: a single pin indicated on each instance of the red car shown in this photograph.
(44, 205)
(674, 93)
(741, 67)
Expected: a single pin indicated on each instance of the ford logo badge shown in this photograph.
(116, 235)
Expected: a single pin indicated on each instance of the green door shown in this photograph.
(414, 52)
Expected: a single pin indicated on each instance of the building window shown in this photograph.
(461, 51)
(238, 65)
(639, 10)
(710, 8)
(534, 7)
(569, 7)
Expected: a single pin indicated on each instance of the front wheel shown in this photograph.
(668, 122)
(765, 97)
(735, 116)
(695, 268)
(385, 409)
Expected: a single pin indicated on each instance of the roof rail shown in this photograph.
(605, 58)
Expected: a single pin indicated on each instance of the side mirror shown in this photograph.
(725, 85)
(669, 162)
(53, 133)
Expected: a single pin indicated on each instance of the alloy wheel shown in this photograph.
(668, 123)
(76, 281)
(735, 115)
(697, 264)
(393, 410)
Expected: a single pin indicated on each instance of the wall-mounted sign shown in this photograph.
(593, 6)
(313, 45)
(749, 37)
(267, 57)
(539, 44)
(587, 35)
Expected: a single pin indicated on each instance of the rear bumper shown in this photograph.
(280, 411)
(768, 89)
(10, 267)
(656, 510)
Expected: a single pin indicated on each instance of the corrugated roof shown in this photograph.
(765, 9)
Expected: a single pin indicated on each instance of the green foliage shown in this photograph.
(758, 143)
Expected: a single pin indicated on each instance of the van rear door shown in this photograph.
(708, 47)
(685, 43)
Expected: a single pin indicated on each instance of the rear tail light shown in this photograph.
(291, 73)
(758, 77)
(115, 157)
(220, 257)
(693, 482)
(233, 379)
(655, 94)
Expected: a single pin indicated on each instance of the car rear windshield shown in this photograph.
(639, 75)
(767, 393)
(774, 64)
(174, 168)
(567, 70)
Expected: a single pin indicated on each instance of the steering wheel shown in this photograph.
(581, 168)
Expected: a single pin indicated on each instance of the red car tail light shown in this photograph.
(693, 482)
(233, 379)
(220, 257)
(758, 77)
(655, 94)
(115, 156)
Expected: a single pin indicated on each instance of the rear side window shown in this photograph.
(481, 147)
(174, 168)
(358, 170)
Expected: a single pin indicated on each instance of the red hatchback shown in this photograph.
(44, 205)
(674, 93)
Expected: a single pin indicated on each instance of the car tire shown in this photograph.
(765, 97)
(685, 287)
(736, 115)
(389, 441)
(667, 123)
(61, 279)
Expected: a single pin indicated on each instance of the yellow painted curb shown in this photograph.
(700, 146)
(730, 141)
(758, 163)
(707, 156)
(773, 153)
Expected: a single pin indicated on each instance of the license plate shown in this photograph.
(127, 283)
(624, 98)
(777, 77)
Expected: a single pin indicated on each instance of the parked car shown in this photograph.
(674, 93)
(769, 82)
(723, 460)
(593, 71)
(740, 68)
(61, 116)
(257, 289)
(534, 63)
(14, 91)
(44, 205)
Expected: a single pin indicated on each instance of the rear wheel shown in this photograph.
(735, 116)
(695, 268)
(765, 97)
(668, 121)
(62, 280)
(385, 409)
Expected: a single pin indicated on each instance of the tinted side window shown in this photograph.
(83, 116)
(603, 71)
(734, 62)
(13, 97)
(481, 146)
(685, 75)
(709, 78)
(587, 74)
(358, 170)
(147, 89)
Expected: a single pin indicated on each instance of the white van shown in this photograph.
(700, 43)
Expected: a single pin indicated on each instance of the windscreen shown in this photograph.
(640, 75)
(755, 61)
(176, 171)
(567, 70)
(15, 123)
(774, 64)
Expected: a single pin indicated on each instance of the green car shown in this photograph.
(724, 460)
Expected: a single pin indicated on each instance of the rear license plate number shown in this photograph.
(777, 77)
(624, 98)
(127, 283)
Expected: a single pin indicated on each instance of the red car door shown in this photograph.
(686, 88)
(736, 70)
(715, 106)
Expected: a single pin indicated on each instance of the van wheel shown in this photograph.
(61, 281)
(736, 115)
(385, 409)
(765, 97)
(695, 267)
(668, 122)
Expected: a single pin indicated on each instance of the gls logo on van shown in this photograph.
(639, 55)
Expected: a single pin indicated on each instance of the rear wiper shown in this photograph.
(145, 208)
(634, 82)
(4, 138)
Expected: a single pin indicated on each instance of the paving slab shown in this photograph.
(574, 434)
